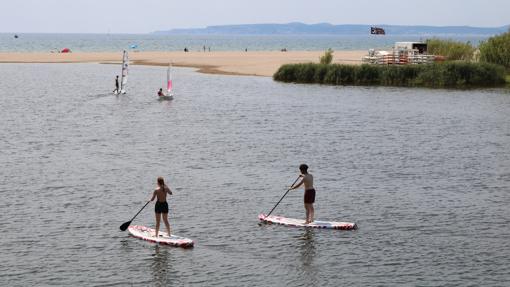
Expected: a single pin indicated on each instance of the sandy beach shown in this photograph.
(258, 63)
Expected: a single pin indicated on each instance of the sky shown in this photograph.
(145, 16)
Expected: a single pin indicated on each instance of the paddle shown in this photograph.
(125, 225)
(292, 185)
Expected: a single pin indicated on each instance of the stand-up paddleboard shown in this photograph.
(301, 223)
(148, 234)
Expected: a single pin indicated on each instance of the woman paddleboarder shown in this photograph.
(161, 207)
(309, 196)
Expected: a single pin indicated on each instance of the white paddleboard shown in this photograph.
(149, 234)
(301, 223)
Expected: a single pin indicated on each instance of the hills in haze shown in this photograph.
(329, 29)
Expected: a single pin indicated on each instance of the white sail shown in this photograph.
(125, 64)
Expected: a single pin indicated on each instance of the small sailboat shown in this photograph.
(169, 87)
(123, 80)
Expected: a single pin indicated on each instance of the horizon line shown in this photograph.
(267, 23)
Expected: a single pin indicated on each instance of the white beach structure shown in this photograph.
(403, 53)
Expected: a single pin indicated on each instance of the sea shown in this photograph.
(159, 42)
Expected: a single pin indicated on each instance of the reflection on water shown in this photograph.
(159, 266)
(307, 249)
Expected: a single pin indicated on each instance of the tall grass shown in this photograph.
(496, 50)
(438, 75)
(452, 50)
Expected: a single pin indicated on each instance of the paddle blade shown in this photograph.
(125, 226)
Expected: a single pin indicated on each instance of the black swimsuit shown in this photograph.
(161, 207)
(310, 196)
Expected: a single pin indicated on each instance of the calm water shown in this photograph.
(154, 42)
(424, 173)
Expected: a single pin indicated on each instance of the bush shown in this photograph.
(327, 58)
(452, 50)
(439, 75)
(496, 50)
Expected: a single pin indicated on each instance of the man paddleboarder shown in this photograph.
(161, 207)
(309, 196)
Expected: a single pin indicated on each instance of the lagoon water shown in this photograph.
(424, 173)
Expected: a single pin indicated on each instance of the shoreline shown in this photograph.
(255, 63)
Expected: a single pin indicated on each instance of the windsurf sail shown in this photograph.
(125, 64)
(169, 81)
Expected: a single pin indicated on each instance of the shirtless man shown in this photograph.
(161, 207)
(309, 197)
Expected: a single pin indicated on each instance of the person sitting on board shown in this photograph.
(309, 196)
(160, 92)
(116, 84)
(161, 207)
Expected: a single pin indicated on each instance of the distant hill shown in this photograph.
(329, 29)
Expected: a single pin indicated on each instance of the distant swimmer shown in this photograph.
(116, 84)
(161, 207)
(160, 92)
(309, 196)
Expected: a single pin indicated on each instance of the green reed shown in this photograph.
(452, 50)
(457, 74)
(496, 50)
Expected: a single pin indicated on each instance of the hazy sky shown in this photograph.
(142, 16)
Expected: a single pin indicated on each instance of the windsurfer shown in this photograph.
(116, 84)
(160, 92)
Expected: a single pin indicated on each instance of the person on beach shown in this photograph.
(116, 84)
(160, 92)
(309, 197)
(161, 207)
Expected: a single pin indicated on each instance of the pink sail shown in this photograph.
(169, 86)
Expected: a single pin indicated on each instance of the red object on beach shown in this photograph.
(66, 50)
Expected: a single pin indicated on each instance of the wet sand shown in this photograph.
(258, 63)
